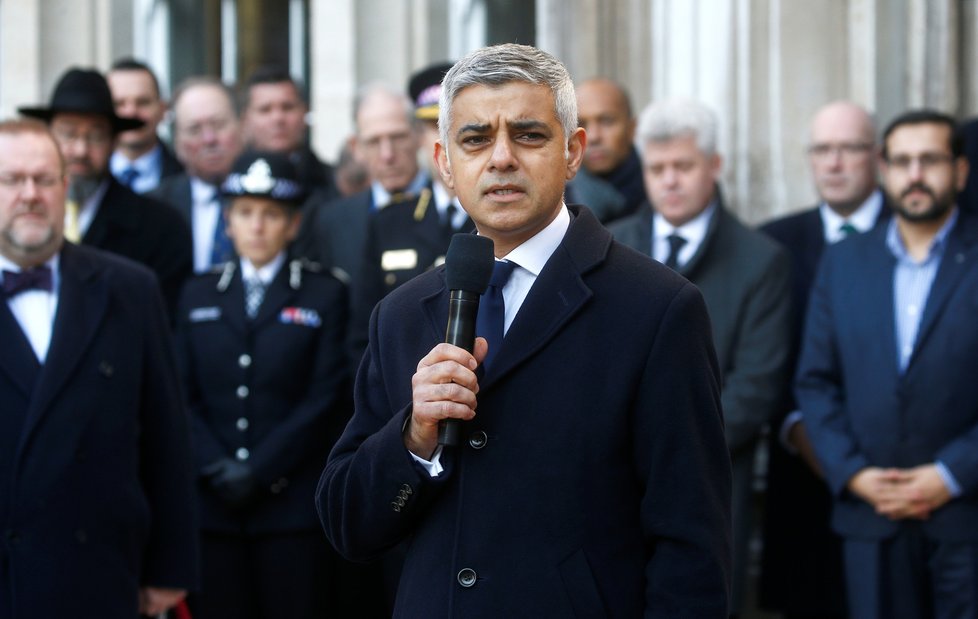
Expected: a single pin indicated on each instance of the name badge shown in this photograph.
(399, 259)
(301, 316)
(205, 314)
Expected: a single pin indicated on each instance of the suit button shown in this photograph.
(478, 440)
(242, 423)
(242, 454)
(244, 360)
(466, 577)
(390, 279)
(242, 392)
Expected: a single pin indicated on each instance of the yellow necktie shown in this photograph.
(71, 221)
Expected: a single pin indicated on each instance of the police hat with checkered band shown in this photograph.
(264, 175)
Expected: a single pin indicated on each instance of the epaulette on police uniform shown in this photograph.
(227, 273)
(423, 200)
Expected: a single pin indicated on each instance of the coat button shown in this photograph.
(466, 577)
(244, 360)
(242, 392)
(242, 453)
(478, 440)
(241, 423)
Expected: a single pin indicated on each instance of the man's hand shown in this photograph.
(925, 490)
(155, 601)
(444, 387)
(901, 493)
(798, 438)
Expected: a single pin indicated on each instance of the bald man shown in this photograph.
(610, 181)
(842, 155)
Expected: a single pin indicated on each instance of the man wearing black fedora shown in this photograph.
(100, 211)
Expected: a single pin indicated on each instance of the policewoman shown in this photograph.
(260, 344)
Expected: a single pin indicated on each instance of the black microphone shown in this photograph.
(468, 268)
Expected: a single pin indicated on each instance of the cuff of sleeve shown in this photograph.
(948, 478)
(433, 466)
(788, 423)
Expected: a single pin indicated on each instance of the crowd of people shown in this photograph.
(216, 353)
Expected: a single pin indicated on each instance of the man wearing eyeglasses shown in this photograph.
(207, 139)
(842, 156)
(886, 387)
(99, 210)
(96, 480)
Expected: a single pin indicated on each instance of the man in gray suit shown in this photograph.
(743, 275)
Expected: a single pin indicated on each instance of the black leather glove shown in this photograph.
(231, 480)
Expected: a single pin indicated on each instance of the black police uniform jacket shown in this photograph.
(271, 392)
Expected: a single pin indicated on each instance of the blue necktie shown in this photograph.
(491, 318)
(676, 243)
(127, 176)
(221, 249)
(16, 282)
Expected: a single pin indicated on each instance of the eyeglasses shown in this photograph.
(926, 161)
(845, 149)
(196, 130)
(95, 139)
(19, 181)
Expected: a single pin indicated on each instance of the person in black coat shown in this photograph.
(260, 345)
(96, 484)
(101, 212)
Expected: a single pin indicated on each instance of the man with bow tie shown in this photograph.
(95, 477)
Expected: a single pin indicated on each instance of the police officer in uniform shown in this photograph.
(407, 238)
(260, 342)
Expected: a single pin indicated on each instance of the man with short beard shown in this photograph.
(100, 211)
(885, 384)
(96, 482)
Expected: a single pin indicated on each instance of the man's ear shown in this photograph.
(576, 144)
(443, 166)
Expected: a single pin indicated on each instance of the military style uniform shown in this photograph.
(404, 240)
(271, 393)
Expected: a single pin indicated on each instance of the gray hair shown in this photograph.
(678, 118)
(502, 64)
(381, 90)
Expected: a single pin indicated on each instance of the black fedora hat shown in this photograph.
(83, 91)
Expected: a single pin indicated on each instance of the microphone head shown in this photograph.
(469, 262)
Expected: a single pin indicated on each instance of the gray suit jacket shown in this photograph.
(745, 278)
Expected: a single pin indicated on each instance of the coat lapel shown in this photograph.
(959, 258)
(232, 299)
(17, 358)
(82, 302)
(278, 293)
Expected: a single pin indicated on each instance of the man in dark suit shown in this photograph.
(95, 478)
(273, 118)
(387, 142)
(406, 239)
(140, 159)
(611, 161)
(207, 138)
(263, 363)
(886, 385)
(100, 211)
(593, 479)
(744, 278)
(801, 557)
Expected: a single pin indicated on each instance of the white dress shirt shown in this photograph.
(264, 274)
(694, 231)
(381, 197)
(35, 309)
(205, 211)
(862, 219)
(149, 166)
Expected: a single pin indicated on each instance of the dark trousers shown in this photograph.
(909, 576)
(284, 575)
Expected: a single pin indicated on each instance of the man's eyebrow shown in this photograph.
(473, 128)
(523, 125)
